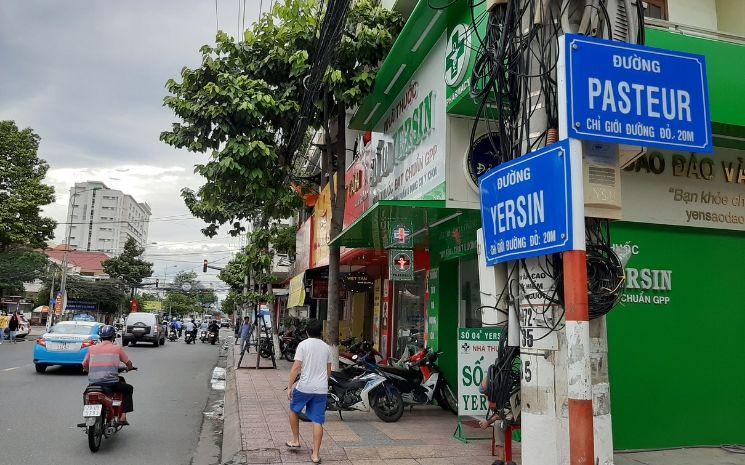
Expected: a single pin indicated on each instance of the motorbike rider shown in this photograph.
(102, 364)
(213, 327)
(190, 327)
(179, 326)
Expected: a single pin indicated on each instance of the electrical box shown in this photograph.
(602, 180)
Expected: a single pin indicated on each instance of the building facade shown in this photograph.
(681, 228)
(102, 219)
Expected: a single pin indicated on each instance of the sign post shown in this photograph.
(527, 206)
(631, 94)
(477, 349)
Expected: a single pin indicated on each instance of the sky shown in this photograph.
(89, 77)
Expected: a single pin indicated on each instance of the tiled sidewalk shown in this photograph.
(423, 436)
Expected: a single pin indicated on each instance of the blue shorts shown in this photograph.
(314, 404)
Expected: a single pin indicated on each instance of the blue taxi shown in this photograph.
(66, 343)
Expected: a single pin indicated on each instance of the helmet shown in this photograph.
(107, 333)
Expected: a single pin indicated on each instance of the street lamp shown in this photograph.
(63, 279)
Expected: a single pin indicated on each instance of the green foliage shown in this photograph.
(228, 304)
(18, 266)
(241, 106)
(188, 296)
(22, 191)
(128, 266)
(256, 260)
(107, 294)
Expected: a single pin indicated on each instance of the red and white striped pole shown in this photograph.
(581, 445)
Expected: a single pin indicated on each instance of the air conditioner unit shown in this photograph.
(602, 180)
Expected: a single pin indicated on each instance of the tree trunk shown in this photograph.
(338, 197)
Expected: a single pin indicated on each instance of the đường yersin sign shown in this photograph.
(526, 205)
(632, 94)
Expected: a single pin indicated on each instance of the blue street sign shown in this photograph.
(526, 205)
(632, 94)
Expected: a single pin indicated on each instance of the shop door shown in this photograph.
(469, 297)
(409, 305)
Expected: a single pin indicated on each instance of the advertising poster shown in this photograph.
(477, 349)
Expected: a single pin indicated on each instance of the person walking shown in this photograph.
(245, 333)
(3, 325)
(13, 327)
(313, 364)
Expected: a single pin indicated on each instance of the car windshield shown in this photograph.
(71, 328)
(146, 318)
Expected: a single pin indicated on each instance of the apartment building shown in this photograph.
(101, 219)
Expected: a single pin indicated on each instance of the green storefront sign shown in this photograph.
(675, 340)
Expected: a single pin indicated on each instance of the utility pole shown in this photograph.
(50, 313)
(63, 278)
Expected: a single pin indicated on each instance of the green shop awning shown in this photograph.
(373, 228)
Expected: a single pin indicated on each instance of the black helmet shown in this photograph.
(107, 333)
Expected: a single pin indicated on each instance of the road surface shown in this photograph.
(38, 412)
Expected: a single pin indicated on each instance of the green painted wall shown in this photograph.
(725, 66)
(448, 320)
(676, 367)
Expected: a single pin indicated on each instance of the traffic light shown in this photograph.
(204, 267)
(156, 282)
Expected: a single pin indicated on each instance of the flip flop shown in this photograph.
(292, 446)
(315, 461)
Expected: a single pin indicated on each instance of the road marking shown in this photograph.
(11, 369)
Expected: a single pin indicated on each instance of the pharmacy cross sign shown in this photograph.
(400, 235)
(401, 265)
(457, 54)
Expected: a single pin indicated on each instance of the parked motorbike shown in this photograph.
(361, 348)
(101, 411)
(421, 381)
(266, 347)
(370, 390)
(288, 343)
(212, 337)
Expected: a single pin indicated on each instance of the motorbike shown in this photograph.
(370, 390)
(101, 411)
(421, 381)
(203, 336)
(266, 347)
(172, 335)
(288, 343)
(190, 337)
(359, 348)
(212, 337)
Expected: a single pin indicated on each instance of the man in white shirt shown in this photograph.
(313, 362)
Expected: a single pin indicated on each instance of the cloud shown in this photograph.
(89, 77)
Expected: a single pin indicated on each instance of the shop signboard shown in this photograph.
(376, 313)
(686, 189)
(477, 350)
(302, 246)
(319, 255)
(631, 94)
(358, 191)
(526, 206)
(401, 265)
(399, 234)
(407, 156)
(152, 306)
(357, 281)
(320, 290)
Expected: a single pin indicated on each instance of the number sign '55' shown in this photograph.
(632, 94)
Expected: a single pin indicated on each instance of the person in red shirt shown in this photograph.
(102, 364)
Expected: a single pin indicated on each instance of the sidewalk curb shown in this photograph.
(232, 443)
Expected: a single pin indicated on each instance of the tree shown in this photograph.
(128, 266)
(188, 295)
(243, 104)
(108, 294)
(22, 192)
(18, 266)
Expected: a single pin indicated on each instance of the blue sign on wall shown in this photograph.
(632, 94)
(526, 205)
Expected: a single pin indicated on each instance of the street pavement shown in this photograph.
(38, 412)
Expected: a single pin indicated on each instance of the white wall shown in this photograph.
(698, 13)
(731, 16)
